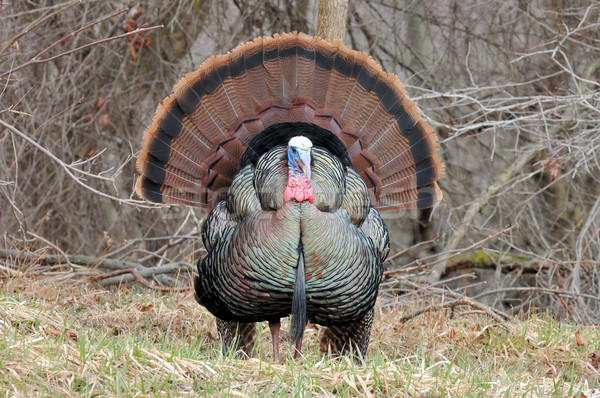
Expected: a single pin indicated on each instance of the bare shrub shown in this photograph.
(511, 86)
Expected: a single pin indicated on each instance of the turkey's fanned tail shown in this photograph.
(195, 145)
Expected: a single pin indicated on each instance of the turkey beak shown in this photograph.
(305, 163)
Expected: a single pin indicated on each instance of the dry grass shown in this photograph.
(81, 340)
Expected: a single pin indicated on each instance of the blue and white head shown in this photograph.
(299, 149)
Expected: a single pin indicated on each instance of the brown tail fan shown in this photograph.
(195, 144)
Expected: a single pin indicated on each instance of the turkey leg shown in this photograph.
(298, 349)
(274, 326)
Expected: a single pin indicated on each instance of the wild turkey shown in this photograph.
(294, 142)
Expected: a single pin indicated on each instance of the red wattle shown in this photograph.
(298, 189)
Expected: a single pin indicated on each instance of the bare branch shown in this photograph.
(492, 313)
(39, 60)
(35, 24)
(70, 171)
(445, 259)
(130, 274)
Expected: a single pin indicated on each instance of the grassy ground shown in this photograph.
(64, 340)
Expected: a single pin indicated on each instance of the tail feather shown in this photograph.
(255, 80)
(337, 82)
(299, 316)
(324, 54)
(223, 100)
(404, 154)
(200, 134)
(354, 105)
(239, 93)
(305, 66)
(156, 172)
(423, 174)
(173, 125)
(161, 193)
(288, 57)
(421, 198)
(272, 67)
(196, 95)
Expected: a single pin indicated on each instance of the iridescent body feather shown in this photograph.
(295, 143)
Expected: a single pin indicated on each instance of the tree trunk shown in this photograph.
(331, 22)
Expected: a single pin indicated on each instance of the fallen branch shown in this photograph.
(492, 313)
(129, 274)
(120, 267)
(77, 259)
(445, 259)
(489, 259)
(557, 292)
(9, 270)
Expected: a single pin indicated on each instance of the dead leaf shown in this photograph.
(213, 332)
(554, 173)
(579, 340)
(118, 330)
(595, 359)
(138, 12)
(71, 335)
(103, 119)
(146, 307)
(337, 377)
(100, 102)
(54, 332)
(91, 152)
(479, 334)
(107, 239)
(452, 333)
(476, 336)
(51, 331)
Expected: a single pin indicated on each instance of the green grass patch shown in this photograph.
(66, 340)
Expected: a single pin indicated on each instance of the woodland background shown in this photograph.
(512, 88)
